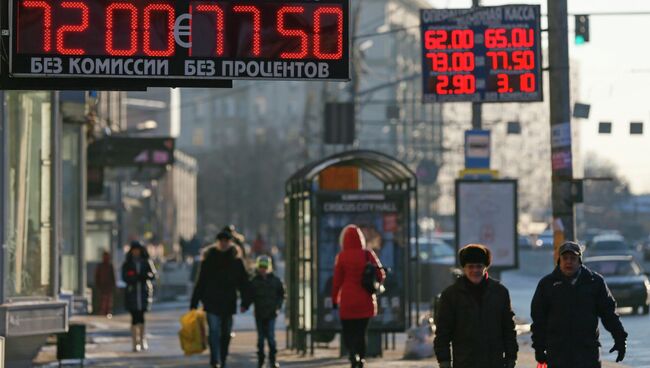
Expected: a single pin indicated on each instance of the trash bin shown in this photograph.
(72, 344)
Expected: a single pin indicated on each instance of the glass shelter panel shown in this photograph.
(71, 190)
(29, 174)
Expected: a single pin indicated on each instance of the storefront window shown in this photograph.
(29, 226)
(71, 197)
(98, 241)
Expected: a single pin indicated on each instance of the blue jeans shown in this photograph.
(220, 328)
(266, 331)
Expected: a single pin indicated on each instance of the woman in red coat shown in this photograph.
(357, 305)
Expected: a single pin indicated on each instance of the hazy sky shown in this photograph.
(614, 79)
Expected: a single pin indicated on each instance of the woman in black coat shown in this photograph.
(137, 273)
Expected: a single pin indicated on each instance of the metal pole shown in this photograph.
(476, 106)
(561, 156)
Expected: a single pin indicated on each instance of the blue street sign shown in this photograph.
(477, 149)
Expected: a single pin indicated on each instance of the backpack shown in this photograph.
(369, 277)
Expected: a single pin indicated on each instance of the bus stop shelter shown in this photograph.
(374, 191)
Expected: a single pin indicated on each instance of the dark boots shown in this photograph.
(272, 362)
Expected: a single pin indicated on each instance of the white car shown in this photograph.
(609, 244)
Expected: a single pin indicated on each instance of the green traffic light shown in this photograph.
(580, 39)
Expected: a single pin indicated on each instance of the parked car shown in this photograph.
(627, 281)
(447, 237)
(523, 241)
(544, 240)
(437, 261)
(609, 244)
(436, 251)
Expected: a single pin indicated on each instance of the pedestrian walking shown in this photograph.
(565, 311)
(474, 318)
(267, 295)
(105, 285)
(221, 275)
(356, 304)
(137, 272)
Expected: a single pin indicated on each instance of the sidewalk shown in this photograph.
(108, 344)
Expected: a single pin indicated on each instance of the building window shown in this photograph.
(29, 172)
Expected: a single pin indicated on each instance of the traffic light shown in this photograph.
(582, 29)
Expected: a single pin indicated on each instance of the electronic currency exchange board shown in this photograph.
(179, 39)
(486, 54)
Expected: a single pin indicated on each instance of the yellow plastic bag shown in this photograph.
(193, 334)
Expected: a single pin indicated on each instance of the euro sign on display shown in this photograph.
(183, 39)
(486, 54)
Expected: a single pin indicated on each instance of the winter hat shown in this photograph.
(572, 247)
(475, 253)
(264, 262)
(224, 236)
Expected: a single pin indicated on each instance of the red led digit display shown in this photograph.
(302, 35)
(505, 38)
(218, 21)
(217, 39)
(44, 10)
(146, 28)
(454, 39)
(492, 54)
(61, 32)
(168, 13)
(125, 15)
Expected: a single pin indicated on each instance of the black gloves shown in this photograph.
(540, 356)
(620, 346)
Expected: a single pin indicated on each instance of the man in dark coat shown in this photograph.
(221, 275)
(565, 311)
(267, 294)
(475, 317)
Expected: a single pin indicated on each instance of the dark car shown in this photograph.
(627, 281)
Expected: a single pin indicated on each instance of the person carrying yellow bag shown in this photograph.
(192, 335)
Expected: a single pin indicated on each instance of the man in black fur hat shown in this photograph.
(474, 318)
